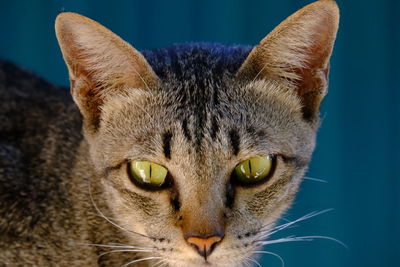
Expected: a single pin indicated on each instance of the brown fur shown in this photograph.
(213, 122)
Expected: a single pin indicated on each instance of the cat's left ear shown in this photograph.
(296, 54)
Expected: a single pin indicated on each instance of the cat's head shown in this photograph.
(202, 160)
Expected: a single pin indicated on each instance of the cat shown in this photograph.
(183, 156)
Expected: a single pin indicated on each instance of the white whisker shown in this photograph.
(273, 254)
(315, 179)
(258, 73)
(301, 239)
(123, 250)
(141, 78)
(139, 107)
(165, 264)
(278, 228)
(160, 262)
(266, 233)
(117, 246)
(139, 260)
(312, 237)
(107, 219)
(254, 261)
(246, 262)
(283, 240)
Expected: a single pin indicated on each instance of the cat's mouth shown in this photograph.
(204, 264)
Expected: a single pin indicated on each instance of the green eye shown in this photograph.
(147, 174)
(254, 169)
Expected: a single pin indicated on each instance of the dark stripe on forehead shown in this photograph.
(185, 129)
(255, 133)
(234, 141)
(166, 139)
(214, 127)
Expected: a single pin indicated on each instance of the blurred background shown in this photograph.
(358, 150)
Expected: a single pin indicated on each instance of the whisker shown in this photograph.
(122, 250)
(246, 262)
(273, 254)
(110, 245)
(138, 106)
(139, 260)
(157, 263)
(161, 263)
(258, 74)
(109, 220)
(312, 237)
(141, 78)
(278, 228)
(283, 240)
(301, 239)
(268, 232)
(315, 179)
(286, 220)
(254, 261)
(165, 264)
(119, 244)
(116, 246)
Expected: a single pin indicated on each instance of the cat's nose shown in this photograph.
(204, 246)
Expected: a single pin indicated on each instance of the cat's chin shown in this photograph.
(188, 258)
(200, 263)
(203, 264)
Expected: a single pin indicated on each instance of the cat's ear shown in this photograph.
(297, 52)
(100, 63)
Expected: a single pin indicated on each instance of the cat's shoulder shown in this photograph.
(38, 126)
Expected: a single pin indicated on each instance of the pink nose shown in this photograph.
(204, 246)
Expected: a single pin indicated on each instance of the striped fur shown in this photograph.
(198, 109)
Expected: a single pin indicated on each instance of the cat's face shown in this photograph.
(204, 196)
(200, 127)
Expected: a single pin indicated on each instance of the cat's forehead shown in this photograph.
(200, 92)
(202, 109)
(178, 121)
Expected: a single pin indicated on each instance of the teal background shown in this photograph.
(359, 142)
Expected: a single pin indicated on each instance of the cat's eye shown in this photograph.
(254, 170)
(147, 174)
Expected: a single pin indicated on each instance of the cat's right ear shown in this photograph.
(99, 63)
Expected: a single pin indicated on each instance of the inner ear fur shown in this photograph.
(100, 64)
(297, 54)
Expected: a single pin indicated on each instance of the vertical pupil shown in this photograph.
(250, 166)
(150, 171)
